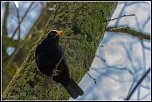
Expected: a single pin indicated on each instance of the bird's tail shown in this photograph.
(73, 89)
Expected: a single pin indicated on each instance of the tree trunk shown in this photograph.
(83, 26)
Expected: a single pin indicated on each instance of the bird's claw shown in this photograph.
(55, 72)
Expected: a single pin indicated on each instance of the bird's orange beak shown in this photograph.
(59, 33)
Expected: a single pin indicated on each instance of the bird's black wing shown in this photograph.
(64, 64)
(42, 62)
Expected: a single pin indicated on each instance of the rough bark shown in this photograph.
(82, 25)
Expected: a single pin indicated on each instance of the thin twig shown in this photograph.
(92, 78)
(17, 48)
(18, 17)
(55, 69)
(4, 22)
(119, 17)
(18, 41)
(138, 83)
(22, 19)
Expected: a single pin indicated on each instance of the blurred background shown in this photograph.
(21, 23)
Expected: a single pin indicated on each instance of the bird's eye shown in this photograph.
(51, 34)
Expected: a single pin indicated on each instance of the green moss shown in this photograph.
(82, 24)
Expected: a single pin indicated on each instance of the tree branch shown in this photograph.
(92, 78)
(17, 48)
(138, 83)
(18, 40)
(4, 23)
(22, 19)
(129, 31)
(120, 17)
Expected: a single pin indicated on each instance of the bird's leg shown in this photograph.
(55, 72)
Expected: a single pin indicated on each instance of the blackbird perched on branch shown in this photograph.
(48, 53)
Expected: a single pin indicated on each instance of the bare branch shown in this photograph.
(18, 16)
(17, 48)
(4, 22)
(92, 78)
(120, 17)
(138, 83)
(18, 40)
(22, 19)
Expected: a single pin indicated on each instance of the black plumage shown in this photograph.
(48, 53)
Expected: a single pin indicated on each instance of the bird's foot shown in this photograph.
(55, 72)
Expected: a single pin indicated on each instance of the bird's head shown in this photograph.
(54, 33)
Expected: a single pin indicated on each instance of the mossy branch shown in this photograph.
(129, 31)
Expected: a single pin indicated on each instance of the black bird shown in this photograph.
(48, 53)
